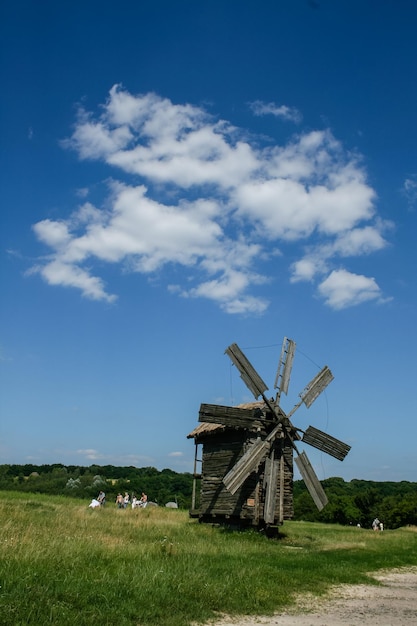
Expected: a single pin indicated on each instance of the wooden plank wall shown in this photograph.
(219, 455)
(218, 458)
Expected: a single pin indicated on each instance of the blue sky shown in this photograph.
(180, 176)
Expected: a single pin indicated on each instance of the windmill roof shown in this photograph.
(205, 428)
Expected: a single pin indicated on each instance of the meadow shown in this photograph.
(63, 563)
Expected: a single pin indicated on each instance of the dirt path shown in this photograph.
(394, 603)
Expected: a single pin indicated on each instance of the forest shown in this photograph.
(350, 503)
(86, 482)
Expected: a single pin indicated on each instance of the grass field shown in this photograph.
(63, 563)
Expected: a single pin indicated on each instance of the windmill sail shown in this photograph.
(316, 386)
(272, 466)
(311, 481)
(322, 441)
(246, 464)
(247, 372)
(282, 379)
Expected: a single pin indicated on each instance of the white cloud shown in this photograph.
(227, 292)
(361, 240)
(343, 289)
(94, 140)
(54, 234)
(355, 242)
(307, 268)
(410, 190)
(90, 454)
(270, 108)
(57, 272)
(82, 192)
(204, 197)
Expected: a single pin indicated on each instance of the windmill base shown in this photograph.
(272, 532)
(233, 522)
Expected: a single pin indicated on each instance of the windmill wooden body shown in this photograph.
(246, 476)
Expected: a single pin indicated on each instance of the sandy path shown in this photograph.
(394, 603)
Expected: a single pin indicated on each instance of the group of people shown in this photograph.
(122, 502)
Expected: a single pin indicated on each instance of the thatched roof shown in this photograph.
(204, 428)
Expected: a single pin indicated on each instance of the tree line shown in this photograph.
(350, 503)
(359, 502)
(86, 482)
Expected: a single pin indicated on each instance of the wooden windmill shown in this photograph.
(247, 463)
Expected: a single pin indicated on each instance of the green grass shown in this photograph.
(63, 563)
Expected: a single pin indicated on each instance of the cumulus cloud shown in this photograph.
(204, 197)
(342, 289)
(352, 243)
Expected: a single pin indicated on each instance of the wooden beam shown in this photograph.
(229, 415)
(271, 477)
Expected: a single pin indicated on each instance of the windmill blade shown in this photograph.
(322, 441)
(246, 464)
(272, 466)
(311, 481)
(282, 379)
(316, 386)
(229, 415)
(247, 372)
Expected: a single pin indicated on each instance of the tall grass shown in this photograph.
(63, 563)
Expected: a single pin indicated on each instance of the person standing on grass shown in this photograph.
(126, 500)
(119, 501)
(101, 498)
(143, 500)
